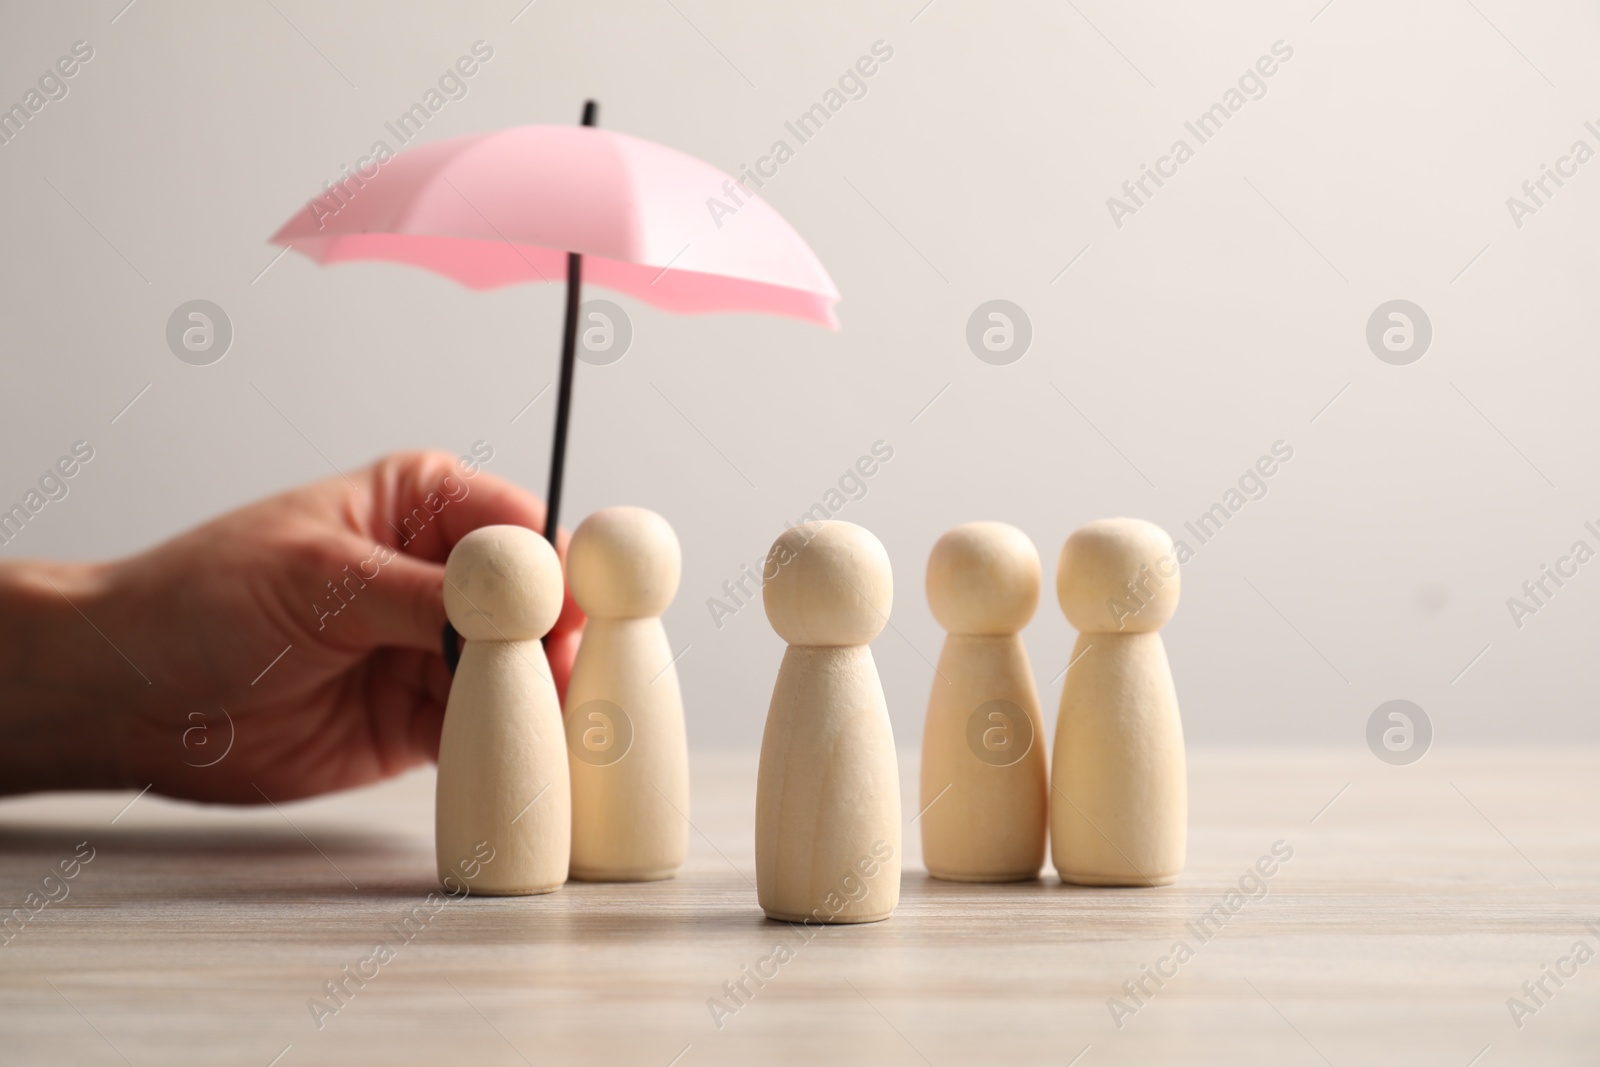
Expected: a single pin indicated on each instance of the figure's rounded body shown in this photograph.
(625, 725)
(503, 773)
(1119, 806)
(827, 795)
(503, 783)
(984, 780)
(1119, 793)
(828, 791)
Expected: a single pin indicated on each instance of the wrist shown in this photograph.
(54, 700)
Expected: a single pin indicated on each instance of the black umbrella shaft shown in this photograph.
(569, 352)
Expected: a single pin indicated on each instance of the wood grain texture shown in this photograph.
(1414, 905)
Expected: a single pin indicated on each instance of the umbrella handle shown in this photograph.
(450, 640)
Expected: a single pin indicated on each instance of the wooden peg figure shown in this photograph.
(828, 791)
(625, 729)
(1119, 794)
(502, 756)
(984, 781)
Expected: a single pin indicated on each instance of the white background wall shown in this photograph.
(1219, 319)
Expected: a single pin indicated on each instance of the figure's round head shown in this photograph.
(827, 584)
(502, 583)
(983, 578)
(1118, 576)
(624, 563)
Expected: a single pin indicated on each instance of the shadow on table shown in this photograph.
(257, 861)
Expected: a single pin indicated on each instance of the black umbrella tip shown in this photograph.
(590, 109)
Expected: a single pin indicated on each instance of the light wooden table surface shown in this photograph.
(1416, 903)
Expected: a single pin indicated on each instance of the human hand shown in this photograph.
(286, 649)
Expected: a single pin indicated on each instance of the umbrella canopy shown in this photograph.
(497, 208)
(519, 205)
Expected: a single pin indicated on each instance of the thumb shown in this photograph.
(393, 600)
(401, 605)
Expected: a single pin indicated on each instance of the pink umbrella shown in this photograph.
(492, 209)
(509, 206)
